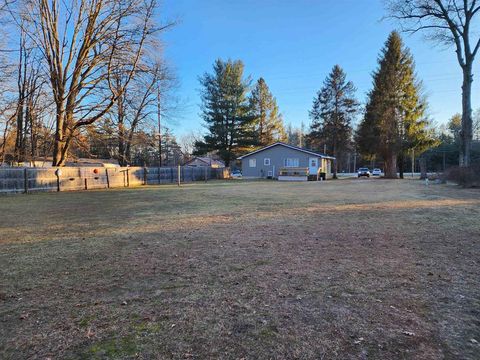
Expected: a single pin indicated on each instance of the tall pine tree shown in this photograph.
(333, 111)
(268, 120)
(394, 121)
(226, 111)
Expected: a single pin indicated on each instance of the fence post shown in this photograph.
(144, 176)
(108, 180)
(159, 177)
(58, 172)
(178, 175)
(25, 180)
(86, 185)
(128, 178)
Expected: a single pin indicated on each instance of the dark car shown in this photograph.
(236, 174)
(363, 172)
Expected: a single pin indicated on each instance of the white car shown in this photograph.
(376, 172)
(363, 172)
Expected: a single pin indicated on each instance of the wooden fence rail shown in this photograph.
(25, 180)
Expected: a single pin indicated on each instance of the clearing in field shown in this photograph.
(341, 269)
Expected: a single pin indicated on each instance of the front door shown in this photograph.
(313, 166)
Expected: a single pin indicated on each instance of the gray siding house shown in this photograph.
(268, 161)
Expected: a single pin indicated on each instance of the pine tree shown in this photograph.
(333, 111)
(268, 120)
(226, 111)
(394, 121)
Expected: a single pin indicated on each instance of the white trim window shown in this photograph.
(291, 162)
(252, 163)
(266, 161)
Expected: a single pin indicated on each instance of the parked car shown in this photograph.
(376, 172)
(236, 174)
(363, 172)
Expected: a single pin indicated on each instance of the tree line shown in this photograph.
(393, 123)
(87, 78)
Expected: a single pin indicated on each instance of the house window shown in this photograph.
(291, 162)
(266, 161)
(270, 174)
(252, 162)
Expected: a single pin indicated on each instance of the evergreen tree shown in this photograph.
(394, 121)
(332, 113)
(226, 111)
(268, 121)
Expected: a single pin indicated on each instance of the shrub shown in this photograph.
(464, 176)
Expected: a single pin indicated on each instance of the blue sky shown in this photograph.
(293, 45)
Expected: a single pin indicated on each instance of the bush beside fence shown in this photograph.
(18, 180)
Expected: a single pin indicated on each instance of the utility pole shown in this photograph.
(413, 161)
(159, 118)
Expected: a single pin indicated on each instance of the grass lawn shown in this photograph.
(346, 269)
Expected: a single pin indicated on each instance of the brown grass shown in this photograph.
(340, 269)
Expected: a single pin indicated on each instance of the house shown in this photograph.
(199, 161)
(286, 162)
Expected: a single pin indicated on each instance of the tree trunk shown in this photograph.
(62, 139)
(5, 136)
(128, 148)
(401, 167)
(335, 162)
(423, 168)
(121, 146)
(391, 166)
(19, 140)
(466, 133)
(121, 129)
(58, 148)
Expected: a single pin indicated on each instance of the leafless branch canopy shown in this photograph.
(446, 21)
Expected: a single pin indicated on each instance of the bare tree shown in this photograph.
(81, 42)
(450, 22)
(133, 107)
(188, 141)
(30, 100)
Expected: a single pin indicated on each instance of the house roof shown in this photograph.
(290, 147)
(93, 162)
(206, 160)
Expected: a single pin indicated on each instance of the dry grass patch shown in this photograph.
(341, 269)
